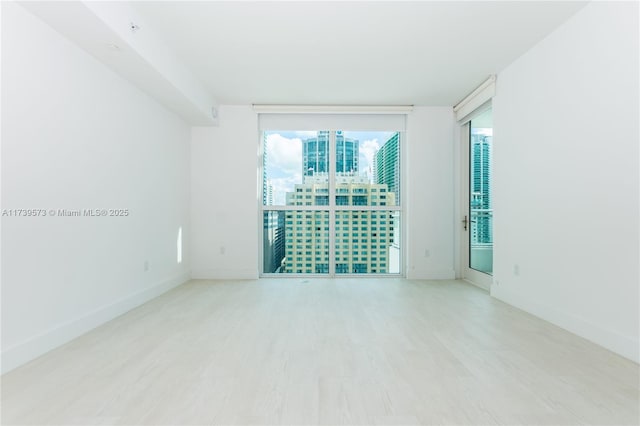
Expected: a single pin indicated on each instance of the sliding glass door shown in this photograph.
(477, 146)
(480, 197)
(331, 202)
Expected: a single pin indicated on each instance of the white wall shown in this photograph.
(77, 136)
(430, 193)
(224, 196)
(566, 178)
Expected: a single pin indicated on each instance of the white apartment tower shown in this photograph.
(363, 238)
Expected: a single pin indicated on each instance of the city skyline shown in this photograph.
(297, 241)
(283, 157)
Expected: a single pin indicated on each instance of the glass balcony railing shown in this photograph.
(481, 240)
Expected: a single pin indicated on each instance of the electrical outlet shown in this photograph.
(427, 253)
(222, 250)
(516, 270)
(146, 266)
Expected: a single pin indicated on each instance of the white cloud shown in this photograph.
(283, 185)
(284, 156)
(284, 165)
(368, 150)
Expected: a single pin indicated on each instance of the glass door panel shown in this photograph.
(480, 197)
(367, 179)
(295, 198)
(367, 242)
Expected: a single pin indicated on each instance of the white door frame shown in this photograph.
(473, 276)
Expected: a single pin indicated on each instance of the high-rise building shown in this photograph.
(387, 165)
(264, 169)
(363, 238)
(315, 154)
(481, 205)
(269, 199)
(274, 241)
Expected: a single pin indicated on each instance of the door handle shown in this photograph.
(465, 222)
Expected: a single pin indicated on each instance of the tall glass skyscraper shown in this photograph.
(264, 170)
(274, 241)
(481, 187)
(315, 154)
(386, 165)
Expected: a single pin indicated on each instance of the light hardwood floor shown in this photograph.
(316, 351)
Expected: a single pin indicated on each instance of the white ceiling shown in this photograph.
(349, 53)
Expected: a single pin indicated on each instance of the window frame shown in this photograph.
(333, 208)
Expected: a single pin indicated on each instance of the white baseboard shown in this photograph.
(33, 347)
(430, 274)
(224, 274)
(483, 286)
(625, 346)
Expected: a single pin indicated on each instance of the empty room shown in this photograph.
(320, 212)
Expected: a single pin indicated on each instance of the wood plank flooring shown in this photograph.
(324, 351)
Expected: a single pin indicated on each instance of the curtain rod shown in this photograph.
(333, 109)
(491, 80)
